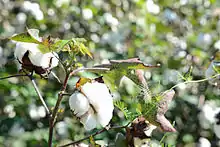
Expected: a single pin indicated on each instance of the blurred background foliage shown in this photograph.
(176, 33)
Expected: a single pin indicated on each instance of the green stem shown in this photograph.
(94, 134)
(195, 81)
(17, 75)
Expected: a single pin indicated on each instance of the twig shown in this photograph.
(54, 114)
(39, 94)
(195, 81)
(94, 134)
(34, 84)
(17, 75)
(92, 69)
(66, 94)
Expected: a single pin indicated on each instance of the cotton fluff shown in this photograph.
(79, 104)
(94, 105)
(210, 118)
(216, 127)
(217, 130)
(36, 57)
(22, 48)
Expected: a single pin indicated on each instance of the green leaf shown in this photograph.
(120, 68)
(59, 45)
(216, 66)
(84, 50)
(78, 46)
(31, 36)
(44, 49)
(128, 114)
(120, 140)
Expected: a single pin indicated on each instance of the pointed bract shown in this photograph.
(162, 109)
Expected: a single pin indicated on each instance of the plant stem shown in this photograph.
(94, 134)
(56, 108)
(35, 87)
(17, 75)
(195, 81)
(39, 94)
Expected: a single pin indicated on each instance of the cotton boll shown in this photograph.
(49, 60)
(97, 94)
(203, 142)
(89, 120)
(149, 130)
(104, 117)
(55, 60)
(35, 58)
(206, 116)
(79, 104)
(217, 130)
(22, 48)
(94, 107)
(102, 101)
(87, 14)
(105, 113)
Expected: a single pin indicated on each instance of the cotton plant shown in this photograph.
(92, 102)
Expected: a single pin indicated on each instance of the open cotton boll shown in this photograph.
(79, 104)
(149, 130)
(49, 60)
(98, 95)
(55, 60)
(102, 101)
(94, 105)
(35, 58)
(104, 116)
(89, 120)
(22, 48)
(216, 129)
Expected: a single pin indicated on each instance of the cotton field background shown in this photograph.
(182, 36)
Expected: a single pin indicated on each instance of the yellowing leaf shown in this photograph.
(82, 81)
